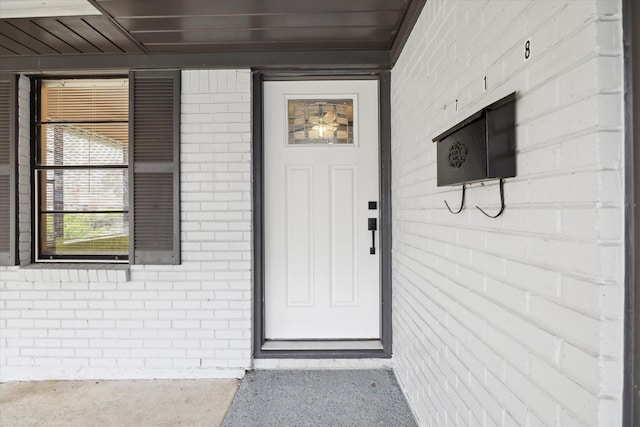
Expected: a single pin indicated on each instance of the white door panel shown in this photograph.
(321, 282)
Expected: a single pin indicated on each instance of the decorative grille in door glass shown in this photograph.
(320, 121)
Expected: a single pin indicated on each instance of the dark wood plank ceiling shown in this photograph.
(205, 25)
(68, 35)
(154, 27)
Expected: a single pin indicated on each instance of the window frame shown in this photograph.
(149, 90)
(35, 168)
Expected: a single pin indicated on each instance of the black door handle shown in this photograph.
(373, 226)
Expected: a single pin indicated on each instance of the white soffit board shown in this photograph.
(45, 8)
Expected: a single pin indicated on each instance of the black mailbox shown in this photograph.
(481, 147)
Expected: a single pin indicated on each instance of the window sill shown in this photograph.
(77, 272)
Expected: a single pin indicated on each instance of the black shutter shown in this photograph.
(8, 147)
(154, 129)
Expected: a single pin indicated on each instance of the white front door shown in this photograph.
(320, 173)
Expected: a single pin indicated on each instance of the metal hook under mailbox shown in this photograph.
(501, 202)
(461, 203)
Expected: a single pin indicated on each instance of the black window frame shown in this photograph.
(35, 167)
(153, 157)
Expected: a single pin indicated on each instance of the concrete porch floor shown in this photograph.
(116, 403)
(265, 398)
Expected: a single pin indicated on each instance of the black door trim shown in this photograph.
(631, 377)
(384, 78)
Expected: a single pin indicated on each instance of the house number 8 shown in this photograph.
(527, 49)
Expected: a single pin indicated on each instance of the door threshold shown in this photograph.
(305, 345)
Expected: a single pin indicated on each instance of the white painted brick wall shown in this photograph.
(186, 321)
(518, 320)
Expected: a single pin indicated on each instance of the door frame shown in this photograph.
(258, 329)
(631, 377)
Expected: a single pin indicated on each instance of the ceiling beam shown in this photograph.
(292, 60)
(117, 25)
(408, 22)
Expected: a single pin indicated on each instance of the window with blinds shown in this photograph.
(81, 169)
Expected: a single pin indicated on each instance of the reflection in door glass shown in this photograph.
(320, 121)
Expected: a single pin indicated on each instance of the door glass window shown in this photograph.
(320, 121)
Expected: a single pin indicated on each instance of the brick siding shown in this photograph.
(517, 320)
(186, 321)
